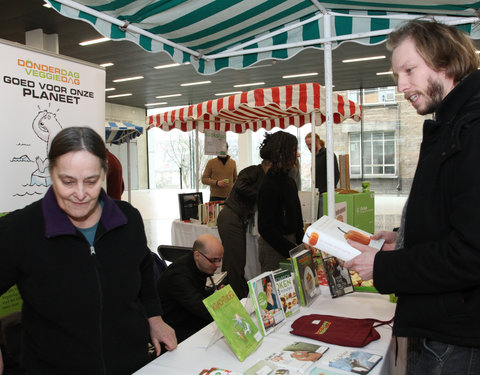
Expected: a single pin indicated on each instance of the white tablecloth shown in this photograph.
(185, 234)
(198, 353)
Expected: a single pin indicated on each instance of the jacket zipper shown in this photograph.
(94, 255)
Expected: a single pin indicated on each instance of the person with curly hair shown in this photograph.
(280, 221)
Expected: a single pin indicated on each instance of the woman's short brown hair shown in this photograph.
(77, 139)
(441, 46)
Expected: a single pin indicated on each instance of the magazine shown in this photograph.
(299, 356)
(356, 361)
(233, 320)
(330, 235)
(305, 274)
(338, 277)
(262, 367)
(286, 291)
(266, 301)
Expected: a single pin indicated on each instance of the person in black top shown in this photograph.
(181, 287)
(321, 163)
(280, 221)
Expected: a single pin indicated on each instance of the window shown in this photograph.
(378, 152)
(375, 96)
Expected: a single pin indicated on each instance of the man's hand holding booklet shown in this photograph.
(330, 235)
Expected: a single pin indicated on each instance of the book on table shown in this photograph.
(286, 291)
(339, 280)
(299, 357)
(305, 274)
(232, 319)
(266, 301)
(330, 235)
(354, 361)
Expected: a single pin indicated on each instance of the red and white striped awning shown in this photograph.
(258, 109)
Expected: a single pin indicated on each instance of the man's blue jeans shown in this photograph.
(438, 358)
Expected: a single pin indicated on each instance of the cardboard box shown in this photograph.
(360, 209)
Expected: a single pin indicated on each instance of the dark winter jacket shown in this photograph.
(437, 273)
(181, 288)
(85, 308)
(279, 212)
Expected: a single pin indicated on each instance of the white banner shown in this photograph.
(215, 143)
(41, 93)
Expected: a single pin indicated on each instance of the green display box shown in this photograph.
(360, 210)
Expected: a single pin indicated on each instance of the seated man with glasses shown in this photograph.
(182, 287)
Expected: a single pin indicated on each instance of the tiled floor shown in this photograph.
(160, 207)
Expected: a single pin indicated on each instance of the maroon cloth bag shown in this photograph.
(338, 330)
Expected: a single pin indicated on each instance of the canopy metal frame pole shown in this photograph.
(129, 175)
(329, 117)
(313, 144)
(197, 161)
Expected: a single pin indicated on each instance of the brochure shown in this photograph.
(330, 235)
(298, 356)
(356, 361)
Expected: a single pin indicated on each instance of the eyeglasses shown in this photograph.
(211, 260)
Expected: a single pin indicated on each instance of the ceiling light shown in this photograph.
(477, 51)
(166, 66)
(169, 65)
(159, 103)
(94, 41)
(364, 59)
(228, 93)
(250, 84)
(168, 96)
(110, 89)
(384, 73)
(195, 83)
(106, 65)
(119, 95)
(127, 79)
(301, 75)
(47, 5)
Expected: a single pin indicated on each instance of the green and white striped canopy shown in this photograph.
(216, 34)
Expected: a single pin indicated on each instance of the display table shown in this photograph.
(185, 234)
(198, 352)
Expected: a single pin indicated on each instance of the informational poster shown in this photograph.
(41, 93)
(215, 142)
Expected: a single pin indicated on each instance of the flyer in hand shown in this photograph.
(330, 235)
(266, 301)
(305, 274)
(233, 320)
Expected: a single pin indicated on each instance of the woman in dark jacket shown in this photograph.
(83, 268)
(280, 221)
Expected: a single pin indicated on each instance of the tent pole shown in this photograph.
(313, 143)
(197, 162)
(329, 117)
(129, 180)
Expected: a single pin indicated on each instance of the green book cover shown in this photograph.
(286, 291)
(305, 274)
(10, 301)
(233, 320)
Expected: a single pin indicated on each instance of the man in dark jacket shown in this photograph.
(182, 287)
(435, 267)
